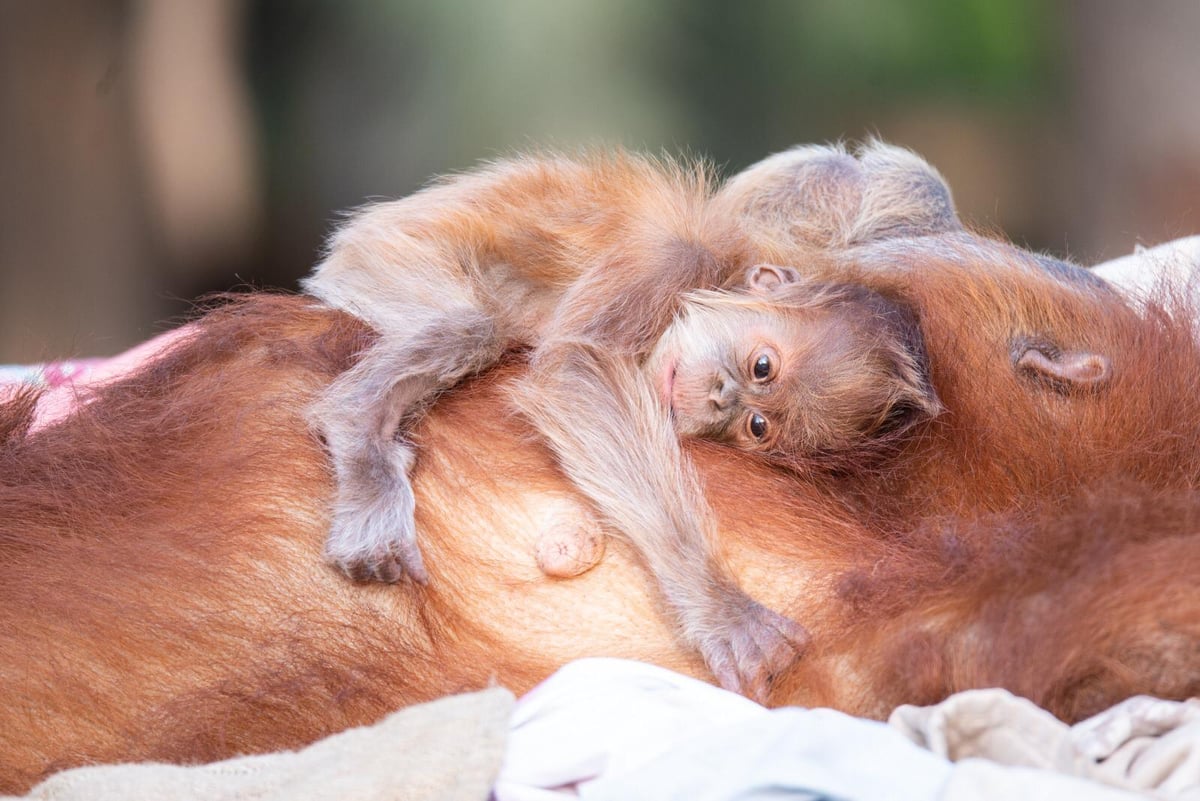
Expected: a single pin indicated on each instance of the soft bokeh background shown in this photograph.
(154, 150)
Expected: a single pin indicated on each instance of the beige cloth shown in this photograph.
(1144, 744)
(448, 750)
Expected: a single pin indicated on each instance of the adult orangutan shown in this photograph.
(164, 594)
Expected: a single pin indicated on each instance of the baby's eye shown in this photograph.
(762, 367)
(758, 426)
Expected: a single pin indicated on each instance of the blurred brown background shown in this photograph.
(155, 150)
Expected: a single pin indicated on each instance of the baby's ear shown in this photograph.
(764, 278)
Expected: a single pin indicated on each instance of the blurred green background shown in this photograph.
(154, 150)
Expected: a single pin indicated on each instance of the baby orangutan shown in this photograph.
(805, 373)
(611, 268)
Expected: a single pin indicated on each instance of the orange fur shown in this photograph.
(162, 594)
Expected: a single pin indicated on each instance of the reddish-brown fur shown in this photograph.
(163, 596)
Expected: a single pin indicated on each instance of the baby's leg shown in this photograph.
(362, 416)
(827, 197)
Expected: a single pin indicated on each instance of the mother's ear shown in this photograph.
(1065, 370)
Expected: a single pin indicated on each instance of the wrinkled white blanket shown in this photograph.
(614, 730)
(1144, 744)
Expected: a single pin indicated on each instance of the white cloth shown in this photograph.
(611, 730)
(605, 729)
(604, 717)
(1173, 265)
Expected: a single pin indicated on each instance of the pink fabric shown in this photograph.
(65, 381)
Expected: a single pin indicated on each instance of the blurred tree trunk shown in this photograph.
(127, 169)
(1139, 143)
(72, 235)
